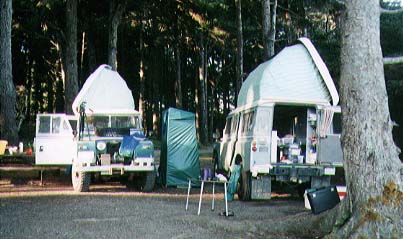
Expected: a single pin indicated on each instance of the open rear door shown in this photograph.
(54, 141)
(330, 150)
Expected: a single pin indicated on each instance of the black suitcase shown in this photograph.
(323, 199)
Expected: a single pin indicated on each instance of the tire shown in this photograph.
(244, 188)
(146, 181)
(80, 180)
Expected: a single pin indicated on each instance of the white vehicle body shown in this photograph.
(282, 127)
(104, 135)
(55, 141)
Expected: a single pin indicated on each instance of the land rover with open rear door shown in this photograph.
(286, 126)
(103, 136)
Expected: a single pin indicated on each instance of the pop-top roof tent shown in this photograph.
(105, 91)
(179, 151)
(297, 74)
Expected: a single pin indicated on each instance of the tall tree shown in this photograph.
(266, 28)
(8, 125)
(116, 10)
(269, 27)
(142, 108)
(239, 58)
(178, 81)
(272, 37)
(70, 63)
(203, 92)
(375, 198)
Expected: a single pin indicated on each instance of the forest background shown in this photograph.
(188, 54)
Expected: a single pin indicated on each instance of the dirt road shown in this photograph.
(121, 214)
(110, 210)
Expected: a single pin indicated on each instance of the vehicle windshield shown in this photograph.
(107, 121)
(111, 125)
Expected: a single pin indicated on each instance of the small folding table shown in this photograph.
(201, 193)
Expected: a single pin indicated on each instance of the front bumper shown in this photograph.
(139, 165)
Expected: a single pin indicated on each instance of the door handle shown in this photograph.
(41, 148)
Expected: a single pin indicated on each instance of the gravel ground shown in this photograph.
(110, 210)
(136, 216)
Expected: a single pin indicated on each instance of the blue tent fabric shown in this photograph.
(179, 150)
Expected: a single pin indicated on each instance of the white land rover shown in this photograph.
(103, 136)
(286, 126)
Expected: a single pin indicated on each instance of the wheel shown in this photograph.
(146, 181)
(244, 189)
(80, 180)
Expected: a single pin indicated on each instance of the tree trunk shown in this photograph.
(158, 59)
(29, 83)
(51, 95)
(91, 51)
(178, 61)
(8, 124)
(212, 99)
(178, 81)
(272, 38)
(142, 109)
(239, 58)
(371, 160)
(70, 49)
(289, 23)
(196, 100)
(83, 44)
(202, 82)
(216, 100)
(116, 11)
(226, 88)
(266, 28)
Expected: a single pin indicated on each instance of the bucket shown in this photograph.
(3, 145)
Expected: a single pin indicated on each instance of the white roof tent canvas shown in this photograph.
(105, 91)
(296, 75)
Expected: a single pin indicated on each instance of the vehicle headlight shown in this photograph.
(101, 145)
(146, 146)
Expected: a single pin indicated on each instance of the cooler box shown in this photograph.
(323, 199)
(3, 145)
(341, 190)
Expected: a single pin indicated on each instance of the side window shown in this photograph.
(248, 120)
(245, 119)
(56, 125)
(234, 124)
(228, 126)
(263, 122)
(44, 125)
